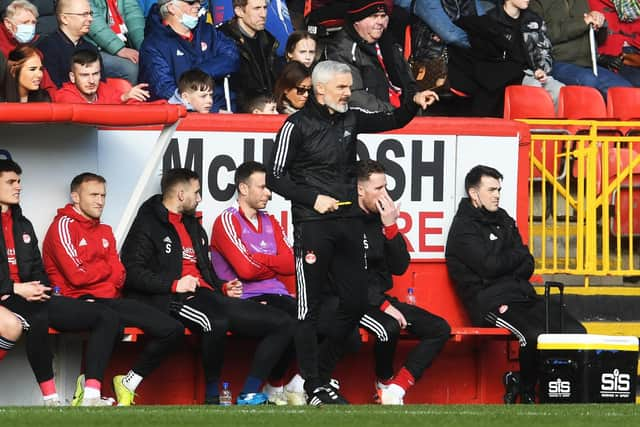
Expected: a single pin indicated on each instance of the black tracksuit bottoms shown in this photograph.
(328, 253)
(66, 315)
(432, 332)
(213, 314)
(164, 333)
(526, 320)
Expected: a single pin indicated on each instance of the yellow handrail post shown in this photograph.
(591, 224)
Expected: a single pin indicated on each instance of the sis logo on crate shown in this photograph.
(559, 388)
(615, 384)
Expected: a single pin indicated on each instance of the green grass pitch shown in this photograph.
(328, 416)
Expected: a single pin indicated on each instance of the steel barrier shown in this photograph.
(584, 189)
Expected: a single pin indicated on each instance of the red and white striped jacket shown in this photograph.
(80, 256)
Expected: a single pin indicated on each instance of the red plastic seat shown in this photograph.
(581, 102)
(623, 103)
(527, 102)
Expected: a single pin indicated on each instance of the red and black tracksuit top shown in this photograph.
(80, 256)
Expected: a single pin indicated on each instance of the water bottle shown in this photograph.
(411, 298)
(225, 396)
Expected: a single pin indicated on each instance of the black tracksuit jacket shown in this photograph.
(30, 266)
(152, 255)
(315, 153)
(487, 260)
(385, 259)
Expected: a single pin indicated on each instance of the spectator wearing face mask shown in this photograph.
(178, 39)
(19, 28)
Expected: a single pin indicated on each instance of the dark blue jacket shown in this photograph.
(57, 50)
(165, 55)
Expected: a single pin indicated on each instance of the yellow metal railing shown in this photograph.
(584, 189)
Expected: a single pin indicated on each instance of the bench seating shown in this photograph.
(469, 369)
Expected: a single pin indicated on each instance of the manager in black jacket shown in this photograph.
(313, 165)
(387, 255)
(491, 268)
(166, 254)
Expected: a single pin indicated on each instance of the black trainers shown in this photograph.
(528, 397)
(326, 395)
(511, 381)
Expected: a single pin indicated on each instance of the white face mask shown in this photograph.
(189, 21)
(25, 32)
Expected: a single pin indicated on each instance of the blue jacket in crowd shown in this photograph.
(165, 55)
(433, 14)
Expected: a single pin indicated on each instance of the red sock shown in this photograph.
(48, 387)
(3, 353)
(404, 379)
(93, 383)
(277, 383)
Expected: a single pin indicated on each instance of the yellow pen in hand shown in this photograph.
(343, 203)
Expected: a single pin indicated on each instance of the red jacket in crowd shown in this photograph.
(617, 32)
(107, 94)
(80, 256)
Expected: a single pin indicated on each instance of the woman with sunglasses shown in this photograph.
(23, 76)
(292, 87)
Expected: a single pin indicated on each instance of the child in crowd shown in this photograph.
(261, 104)
(195, 91)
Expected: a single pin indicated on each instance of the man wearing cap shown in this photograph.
(381, 76)
(177, 39)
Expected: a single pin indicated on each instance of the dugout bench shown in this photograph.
(469, 369)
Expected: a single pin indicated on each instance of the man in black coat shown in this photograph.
(166, 255)
(387, 256)
(491, 267)
(259, 62)
(313, 165)
(381, 75)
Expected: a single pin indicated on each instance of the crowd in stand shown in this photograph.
(468, 50)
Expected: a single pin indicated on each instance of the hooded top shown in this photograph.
(80, 256)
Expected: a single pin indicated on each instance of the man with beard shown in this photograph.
(491, 267)
(86, 87)
(313, 165)
(166, 254)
